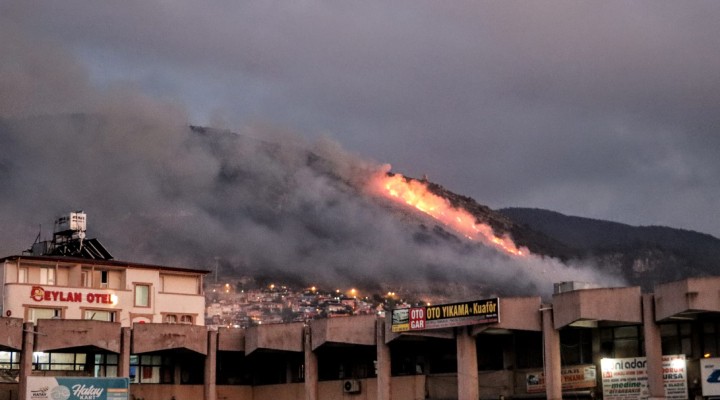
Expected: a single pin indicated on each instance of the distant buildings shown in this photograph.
(270, 305)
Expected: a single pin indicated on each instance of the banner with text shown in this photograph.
(710, 373)
(626, 378)
(573, 378)
(446, 315)
(71, 388)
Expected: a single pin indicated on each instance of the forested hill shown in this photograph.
(645, 255)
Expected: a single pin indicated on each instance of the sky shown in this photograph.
(604, 109)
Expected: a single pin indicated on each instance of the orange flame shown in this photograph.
(416, 194)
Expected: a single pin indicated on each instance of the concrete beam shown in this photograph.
(59, 334)
(687, 295)
(605, 304)
(359, 330)
(11, 333)
(521, 314)
(285, 337)
(147, 338)
(231, 339)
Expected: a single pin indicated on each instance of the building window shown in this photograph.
(528, 347)
(100, 315)
(106, 365)
(9, 360)
(576, 346)
(150, 369)
(85, 280)
(23, 275)
(104, 280)
(621, 342)
(142, 295)
(181, 318)
(59, 361)
(47, 276)
(491, 358)
(35, 314)
(676, 338)
(710, 339)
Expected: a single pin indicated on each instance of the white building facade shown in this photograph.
(57, 287)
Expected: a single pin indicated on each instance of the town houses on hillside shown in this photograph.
(231, 305)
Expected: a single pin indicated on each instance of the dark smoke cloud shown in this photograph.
(261, 200)
(600, 109)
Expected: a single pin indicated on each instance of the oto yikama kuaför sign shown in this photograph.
(446, 315)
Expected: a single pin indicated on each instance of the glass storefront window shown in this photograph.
(9, 360)
(621, 342)
(149, 368)
(676, 338)
(106, 365)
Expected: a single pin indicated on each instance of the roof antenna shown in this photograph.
(37, 238)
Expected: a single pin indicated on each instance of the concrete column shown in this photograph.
(468, 388)
(211, 366)
(384, 377)
(653, 348)
(311, 368)
(26, 358)
(124, 362)
(551, 351)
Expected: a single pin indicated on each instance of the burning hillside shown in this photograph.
(417, 194)
(262, 206)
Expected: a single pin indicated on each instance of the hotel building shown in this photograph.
(56, 287)
(71, 277)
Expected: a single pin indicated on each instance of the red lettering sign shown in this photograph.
(417, 318)
(38, 293)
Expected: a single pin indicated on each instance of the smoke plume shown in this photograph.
(259, 199)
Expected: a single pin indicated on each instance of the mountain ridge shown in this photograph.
(182, 195)
(646, 254)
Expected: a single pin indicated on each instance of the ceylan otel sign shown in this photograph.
(446, 315)
(39, 294)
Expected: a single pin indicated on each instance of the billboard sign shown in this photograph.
(39, 294)
(572, 378)
(446, 315)
(77, 388)
(626, 378)
(710, 374)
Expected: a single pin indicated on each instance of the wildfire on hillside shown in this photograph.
(416, 194)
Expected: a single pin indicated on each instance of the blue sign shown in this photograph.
(710, 374)
(77, 388)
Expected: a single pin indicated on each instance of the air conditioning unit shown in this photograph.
(351, 386)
